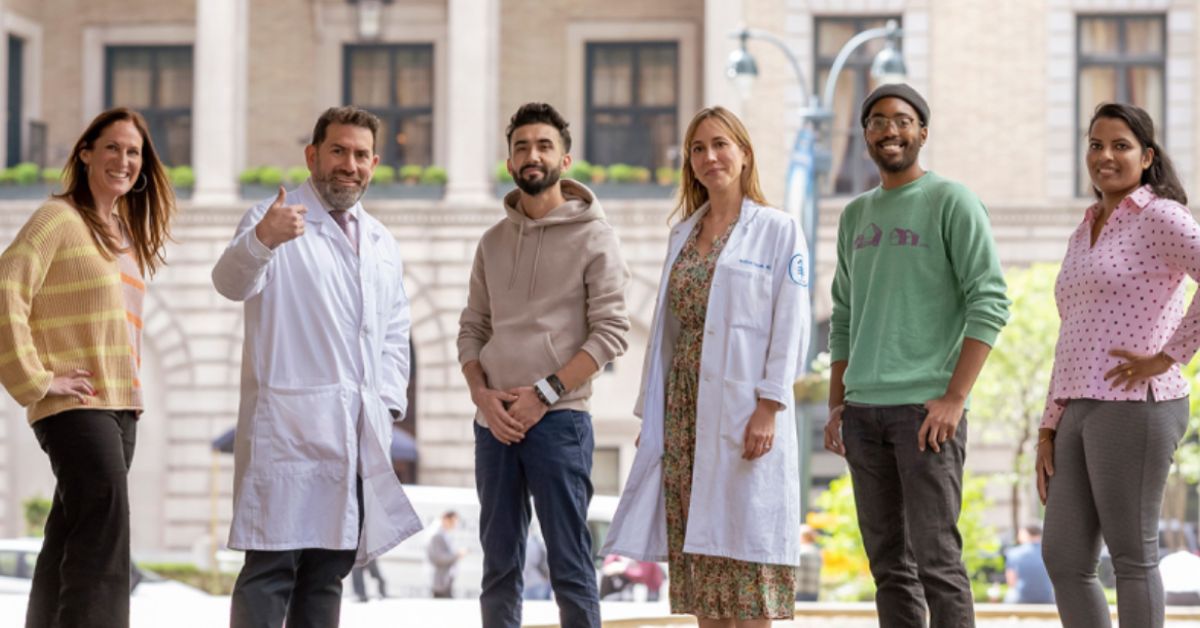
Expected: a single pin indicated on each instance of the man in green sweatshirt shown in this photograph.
(918, 301)
(545, 311)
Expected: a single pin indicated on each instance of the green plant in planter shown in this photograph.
(384, 175)
(249, 176)
(410, 174)
(52, 175)
(37, 510)
(622, 173)
(641, 174)
(182, 176)
(502, 175)
(667, 176)
(296, 175)
(580, 170)
(599, 174)
(270, 176)
(26, 173)
(434, 175)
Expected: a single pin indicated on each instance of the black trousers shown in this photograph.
(303, 586)
(82, 573)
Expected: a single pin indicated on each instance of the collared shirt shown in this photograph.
(1125, 292)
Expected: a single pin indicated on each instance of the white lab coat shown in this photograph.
(756, 337)
(325, 357)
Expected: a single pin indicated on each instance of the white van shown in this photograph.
(407, 570)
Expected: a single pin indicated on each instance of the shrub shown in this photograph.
(296, 175)
(641, 174)
(599, 174)
(411, 173)
(667, 176)
(580, 170)
(384, 175)
(182, 176)
(270, 176)
(622, 173)
(51, 175)
(26, 173)
(37, 510)
(249, 176)
(434, 175)
(502, 174)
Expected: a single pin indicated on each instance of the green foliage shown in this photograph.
(37, 510)
(296, 175)
(813, 386)
(1010, 394)
(599, 173)
(411, 173)
(52, 175)
(641, 174)
(1187, 458)
(249, 176)
(384, 175)
(580, 170)
(433, 175)
(845, 573)
(270, 176)
(622, 173)
(182, 176)
(502, 174)
(188, 573)
(24, 173)
(667, 176)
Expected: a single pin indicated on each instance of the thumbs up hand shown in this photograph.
(281, 222)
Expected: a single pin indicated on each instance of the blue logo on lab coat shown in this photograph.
(796, 271)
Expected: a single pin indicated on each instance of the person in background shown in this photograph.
(1025, 571)
(808, 577)
(537, 567)
(444, 553)
(72, 285)
(359, 581)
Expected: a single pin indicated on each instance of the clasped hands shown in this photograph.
(509, 414)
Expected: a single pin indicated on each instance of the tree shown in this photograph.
(1010, 395)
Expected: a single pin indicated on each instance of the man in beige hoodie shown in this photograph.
(546, 311)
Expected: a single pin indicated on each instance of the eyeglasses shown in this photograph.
(879, 124)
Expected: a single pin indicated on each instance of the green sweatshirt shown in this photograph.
(917, 271)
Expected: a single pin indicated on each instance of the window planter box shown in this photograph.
(613, 190)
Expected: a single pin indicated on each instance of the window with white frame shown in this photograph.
(394, 82)
(632, 103)
(156, 81)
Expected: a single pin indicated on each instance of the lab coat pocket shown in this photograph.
(738, 400)
(302, 429)
(749, 299)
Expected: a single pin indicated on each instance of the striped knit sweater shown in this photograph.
(64, 307)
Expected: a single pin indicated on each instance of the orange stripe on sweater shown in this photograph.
(134, 319)
(133, 281)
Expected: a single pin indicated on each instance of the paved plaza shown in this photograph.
(213, 612)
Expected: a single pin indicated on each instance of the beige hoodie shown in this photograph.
(541, 291)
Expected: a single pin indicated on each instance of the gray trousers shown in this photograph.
(1111, 460)
(908, 503)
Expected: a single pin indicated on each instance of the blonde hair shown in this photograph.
(692, 193)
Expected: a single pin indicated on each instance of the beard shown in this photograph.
(895, 163)
(549, 177)
(339, 197)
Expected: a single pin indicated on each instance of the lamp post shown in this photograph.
(810, 159)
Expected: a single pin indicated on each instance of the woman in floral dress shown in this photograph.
(718, 446)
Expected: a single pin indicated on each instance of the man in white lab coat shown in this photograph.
(324, 371)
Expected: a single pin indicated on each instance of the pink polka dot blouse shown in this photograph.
(1126, 292)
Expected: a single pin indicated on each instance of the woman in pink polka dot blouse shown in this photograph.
(1117, 406)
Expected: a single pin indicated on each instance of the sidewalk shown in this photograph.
(214, 613)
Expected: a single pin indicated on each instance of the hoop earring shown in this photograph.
(144, 181)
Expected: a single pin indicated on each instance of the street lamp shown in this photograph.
(810, 159)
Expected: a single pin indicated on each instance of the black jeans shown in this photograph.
(303, 586)
(82, 573)
(553, 464)
(908, 503)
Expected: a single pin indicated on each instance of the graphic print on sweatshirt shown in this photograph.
(872, 237)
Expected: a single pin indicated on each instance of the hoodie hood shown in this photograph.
(580, 206)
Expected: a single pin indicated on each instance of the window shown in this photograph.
(1121, 58)
(394, 82)
(157, 82)
(852, 170)
(632, 104)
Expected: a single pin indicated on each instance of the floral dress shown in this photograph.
(709, 587)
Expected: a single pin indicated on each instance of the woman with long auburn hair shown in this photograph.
(72, 285)
(714, 489)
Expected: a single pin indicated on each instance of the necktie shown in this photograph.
(342, 218)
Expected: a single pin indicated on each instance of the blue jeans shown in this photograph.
(553, 464)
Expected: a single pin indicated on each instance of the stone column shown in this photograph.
(473, 31)
(218, 100)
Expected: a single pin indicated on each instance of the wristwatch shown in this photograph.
(546, 391)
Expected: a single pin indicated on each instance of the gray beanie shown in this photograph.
(896, 90)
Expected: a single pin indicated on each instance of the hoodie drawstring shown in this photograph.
(537, 254)
(512, 279)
